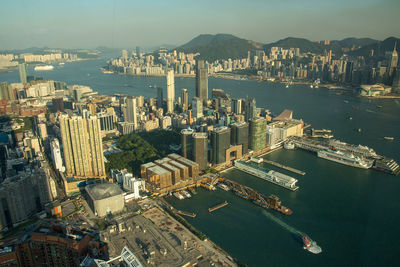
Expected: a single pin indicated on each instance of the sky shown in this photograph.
(130, 23)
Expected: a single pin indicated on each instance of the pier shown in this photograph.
(188, 214)
(284, 167)
(218, 206)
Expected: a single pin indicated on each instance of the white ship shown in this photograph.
(41, 68)
(268, 175)
(345, 158)
(178, 196)
(288, 145)
(223, 187)
(186, 193)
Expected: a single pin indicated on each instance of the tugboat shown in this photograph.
(310, 245)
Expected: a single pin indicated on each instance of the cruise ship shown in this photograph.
(347, 159)
(275, 177)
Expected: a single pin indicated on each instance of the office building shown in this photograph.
(220, 142)
(200, 150)
(257, 133)
(184, 99)
(197, 107)
(106, 121)
(131, 109)
(83, 148)
(5, 94)
(237, 106)
(170, 91)
(126, 127)
(251, 109)
(21, 196)
(22, 73)
(187, 143)
(240, 135)
(201, 81)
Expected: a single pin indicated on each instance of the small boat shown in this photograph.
(378, 106)
(311, 86)
(389, 138)
(355, 107)
(310, 245)
(186, 193)
(178, 196)
(346, 101)
(359, 130)
(223, 187)
(350, 118)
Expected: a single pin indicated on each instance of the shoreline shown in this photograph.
(191, 228)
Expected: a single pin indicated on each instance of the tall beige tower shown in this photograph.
(170, 91)
(83, 147)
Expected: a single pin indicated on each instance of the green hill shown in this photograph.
(379, 47)
(219, 46)
(305, 46)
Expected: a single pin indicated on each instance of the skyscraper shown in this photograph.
(394, 58)
(137, 51)
(240, 135)
(22, 73)
(201, 81)
(257, 133)
(131, 115)
(187, 143)
(170, 91)
(200, 149)
(251, 109)
(220, 142)
(237, 107)
(82, 145)
(160, 98)
(4, 91)
(184, 99)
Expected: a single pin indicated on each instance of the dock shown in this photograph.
(188, 214)
(284, 167)
(221, 205)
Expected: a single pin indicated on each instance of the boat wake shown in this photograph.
(282, 223)
(313, 247)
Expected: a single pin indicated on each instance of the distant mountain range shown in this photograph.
(224, 46)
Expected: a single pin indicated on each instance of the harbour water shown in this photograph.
(351, 213)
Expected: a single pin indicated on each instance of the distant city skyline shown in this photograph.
(123, 23)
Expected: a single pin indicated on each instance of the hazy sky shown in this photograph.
(127, 23)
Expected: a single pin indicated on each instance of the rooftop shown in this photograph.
(102, 191)
(158, 170)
